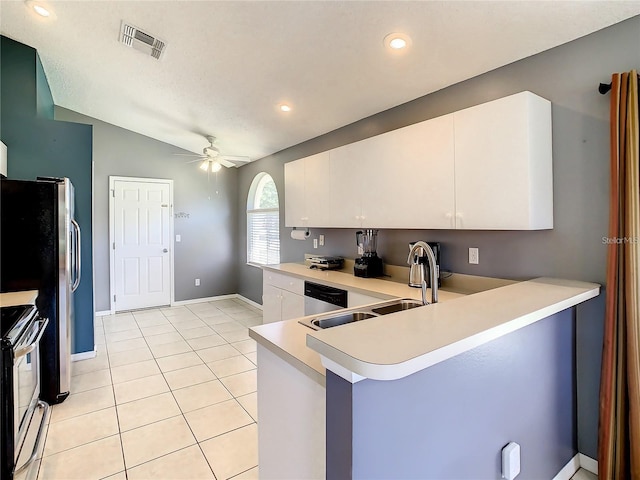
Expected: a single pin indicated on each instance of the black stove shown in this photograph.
(14, 320)
(21, 329)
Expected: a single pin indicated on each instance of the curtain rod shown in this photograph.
(604, 88)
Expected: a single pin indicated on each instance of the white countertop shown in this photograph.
(287, 339)
(397, 345)
(10, 299)
(376, 287)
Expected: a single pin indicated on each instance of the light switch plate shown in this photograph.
(178, 238)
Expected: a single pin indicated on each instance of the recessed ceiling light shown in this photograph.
(284, 107)
(41, 11)
(397, 41)
(41, 8)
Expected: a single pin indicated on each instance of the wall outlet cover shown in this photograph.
(511, 461)
(474, 255)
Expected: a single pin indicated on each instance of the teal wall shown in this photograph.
(37, 145)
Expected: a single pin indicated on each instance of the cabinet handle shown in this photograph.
(304, 219)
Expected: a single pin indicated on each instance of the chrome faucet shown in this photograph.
(433, 270)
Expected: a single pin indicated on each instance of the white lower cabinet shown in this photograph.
(291, 412)
(282, 297)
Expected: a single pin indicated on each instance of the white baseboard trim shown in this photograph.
(84, 355)
(103, 313)
(569, 469)
(250, 302)
(588, 463)
(200, 300)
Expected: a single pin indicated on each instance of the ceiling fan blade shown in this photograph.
(237, 159)
(196, 160)
(225, 163)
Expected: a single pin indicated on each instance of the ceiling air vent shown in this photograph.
(134, 37)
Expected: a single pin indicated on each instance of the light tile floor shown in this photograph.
(170, 395)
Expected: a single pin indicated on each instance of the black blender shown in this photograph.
(369, 265)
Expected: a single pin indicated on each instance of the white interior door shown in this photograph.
(142, 239)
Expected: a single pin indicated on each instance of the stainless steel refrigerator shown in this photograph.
(40, 250)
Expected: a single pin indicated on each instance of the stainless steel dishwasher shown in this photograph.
(322, 298)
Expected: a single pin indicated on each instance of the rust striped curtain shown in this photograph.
(619, 426)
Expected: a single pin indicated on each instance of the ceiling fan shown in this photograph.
(212, 160)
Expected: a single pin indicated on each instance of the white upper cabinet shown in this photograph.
(409, 177)
(503, 165)
(306, 191)
(347, 170)
(317, 190)
(294, 206)
(487, 167)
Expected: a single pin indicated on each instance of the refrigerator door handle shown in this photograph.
(76, 252)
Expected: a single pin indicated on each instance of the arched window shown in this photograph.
(263, 221)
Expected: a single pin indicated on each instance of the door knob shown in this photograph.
(164, 250)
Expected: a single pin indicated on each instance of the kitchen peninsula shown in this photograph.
(434, 392)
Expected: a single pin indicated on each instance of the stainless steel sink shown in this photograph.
(335, 319)
(397, 306)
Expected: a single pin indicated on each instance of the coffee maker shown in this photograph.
(369, 265)
(421, 259)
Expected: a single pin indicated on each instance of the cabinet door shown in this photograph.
(503, 166)
(292, 305)
(346, 171)
(317, 190)
(271, 303)
(294, 214)
(410, 183)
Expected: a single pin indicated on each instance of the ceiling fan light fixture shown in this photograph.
(215, 167)
(205, 165)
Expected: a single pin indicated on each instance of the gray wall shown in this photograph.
(568, 76)
(452, 420)
(207, 249)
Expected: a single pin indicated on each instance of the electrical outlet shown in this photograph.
(197, 282)
(315, 243)
(322, 240)
(474, 255)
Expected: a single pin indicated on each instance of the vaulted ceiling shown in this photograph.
(228, 65)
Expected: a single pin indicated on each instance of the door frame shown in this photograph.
(112, 228)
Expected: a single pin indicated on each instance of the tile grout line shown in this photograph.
(155, 359)
(115, 406)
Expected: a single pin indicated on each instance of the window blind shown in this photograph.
(263, 236)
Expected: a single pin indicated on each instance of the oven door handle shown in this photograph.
(40, 436)
(33, 340)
